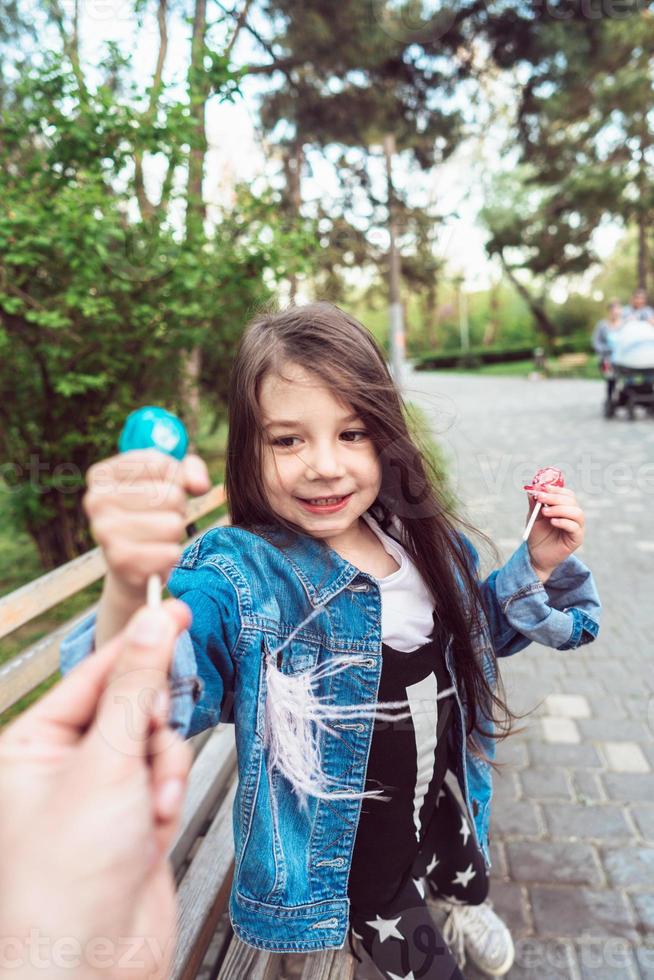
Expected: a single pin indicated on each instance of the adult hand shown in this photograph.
(92, 781)
(558, 530)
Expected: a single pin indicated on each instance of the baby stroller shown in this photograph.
(632, 368)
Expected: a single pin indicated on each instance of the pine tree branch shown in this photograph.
(277, 64)
(240, 22)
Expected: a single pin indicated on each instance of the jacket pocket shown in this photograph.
(260, 871)
(294, 658)
(257, 875)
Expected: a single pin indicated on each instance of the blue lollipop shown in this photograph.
(154, 428)
(151, 427)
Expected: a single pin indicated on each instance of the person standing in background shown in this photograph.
(602, 340)
(639, 308)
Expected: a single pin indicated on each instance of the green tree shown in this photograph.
(101, 304)
(537, 230)
(584, 119)
(338, 84)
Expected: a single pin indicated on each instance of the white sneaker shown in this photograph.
(479, 931)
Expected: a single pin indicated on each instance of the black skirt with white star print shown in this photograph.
(408, 760)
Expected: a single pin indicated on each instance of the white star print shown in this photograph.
(465, 831)
(440, 796)
(464, 877)
(432, 864)
(420, 887)
(386, 928)
(394, 976)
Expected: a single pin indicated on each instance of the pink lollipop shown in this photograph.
(548, 476)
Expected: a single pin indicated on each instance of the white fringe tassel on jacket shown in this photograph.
(295, 715)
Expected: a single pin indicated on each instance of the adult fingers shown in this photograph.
(171, 760)
(61, 715)
(128, 707)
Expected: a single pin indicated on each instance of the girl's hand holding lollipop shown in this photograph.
(556, 522)
(136, 505)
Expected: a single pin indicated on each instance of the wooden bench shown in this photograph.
(569, 362)
(202, 854)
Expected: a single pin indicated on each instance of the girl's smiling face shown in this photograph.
(316, 447)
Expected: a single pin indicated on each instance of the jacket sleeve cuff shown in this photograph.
(563, 613)
(186, 686)
(79, 643)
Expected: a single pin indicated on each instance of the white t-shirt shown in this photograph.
(407, 606)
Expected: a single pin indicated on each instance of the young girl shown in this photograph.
(342, 584)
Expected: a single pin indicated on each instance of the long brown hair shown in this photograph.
(325, 340)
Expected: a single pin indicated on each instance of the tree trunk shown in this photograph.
(432, 314)
(146, 207)
(190, 395)
(492, 324)
(543, 322)
(397, 343)
(642, 210)
(642, 249)
(294, 172)
(65, 535)
(198, 90)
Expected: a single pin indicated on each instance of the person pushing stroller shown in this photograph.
(625, 345)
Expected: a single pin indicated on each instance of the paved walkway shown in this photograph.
(573, 831)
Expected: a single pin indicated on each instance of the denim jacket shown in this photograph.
(247, 595)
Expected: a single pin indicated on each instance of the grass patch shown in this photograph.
(522, 369)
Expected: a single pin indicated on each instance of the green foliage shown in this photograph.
(584, 126)
(576, 317)
(261, 249)
(99, 305)
(345, 82)
(617, 278)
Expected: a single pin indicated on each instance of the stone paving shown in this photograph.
(573, 827)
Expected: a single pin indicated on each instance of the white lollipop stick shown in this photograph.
(154, 591)
(532, 519)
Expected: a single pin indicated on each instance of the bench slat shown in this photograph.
(331, 964)
(213, 766)
(203, 892)
(28, 669)
(28, 602)
(23, 673)
(246, 961)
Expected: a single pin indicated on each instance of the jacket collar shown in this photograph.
(321, 570)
